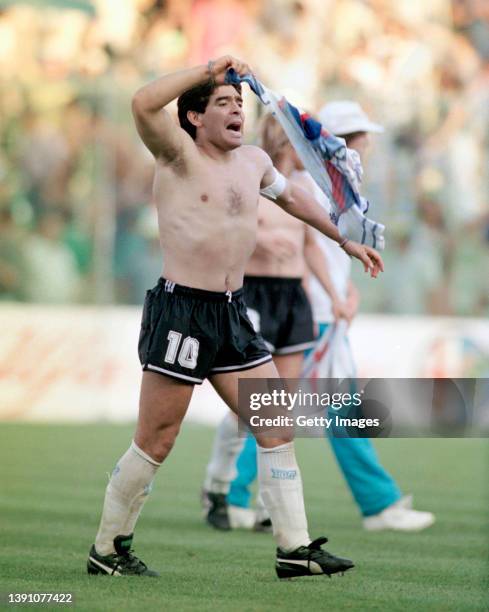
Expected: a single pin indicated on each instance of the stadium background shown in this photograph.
(77, 228)
(78, 241)
(76, 181)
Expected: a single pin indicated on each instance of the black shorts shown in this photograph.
(192, 333)
(280, 311)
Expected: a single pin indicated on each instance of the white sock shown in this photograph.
(221, 469)
(262, 513)
(281, 489)
(128, 489)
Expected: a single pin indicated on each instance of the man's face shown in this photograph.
(223, 119)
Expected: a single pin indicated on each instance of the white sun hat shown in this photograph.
(346, 117)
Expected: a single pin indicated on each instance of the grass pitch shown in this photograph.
(52, 480)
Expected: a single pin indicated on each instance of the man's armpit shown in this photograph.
(174, 158)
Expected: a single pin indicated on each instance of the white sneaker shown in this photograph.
(241, 518)
(399, 516)
(406, 502)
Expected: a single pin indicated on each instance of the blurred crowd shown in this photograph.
(76, 221)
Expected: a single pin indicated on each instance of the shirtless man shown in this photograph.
(194, 323)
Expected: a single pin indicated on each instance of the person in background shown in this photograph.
(376, 493)
(51, 273)
(379, 498)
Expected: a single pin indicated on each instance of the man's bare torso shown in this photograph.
(207, 212)
(281, 241)
(280, 245)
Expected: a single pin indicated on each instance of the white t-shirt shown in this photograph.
(339, 266)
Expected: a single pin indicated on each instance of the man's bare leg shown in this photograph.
(289, 366)
(278, 473)
(163, 404)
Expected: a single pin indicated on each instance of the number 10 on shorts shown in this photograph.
(189, 351)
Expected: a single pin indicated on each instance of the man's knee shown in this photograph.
(265, 441)
(159, 443)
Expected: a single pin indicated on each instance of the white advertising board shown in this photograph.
(80, 364)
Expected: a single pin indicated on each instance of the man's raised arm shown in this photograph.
(157, 129)
(155, 126)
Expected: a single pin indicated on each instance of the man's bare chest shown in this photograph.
(211, 190)
(233, 194)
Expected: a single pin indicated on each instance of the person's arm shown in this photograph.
(302, 205)
(317, 264)
(158, 130)
(155, 125)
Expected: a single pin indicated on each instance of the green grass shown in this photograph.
(51, 487)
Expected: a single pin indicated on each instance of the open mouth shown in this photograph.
(234, 127)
